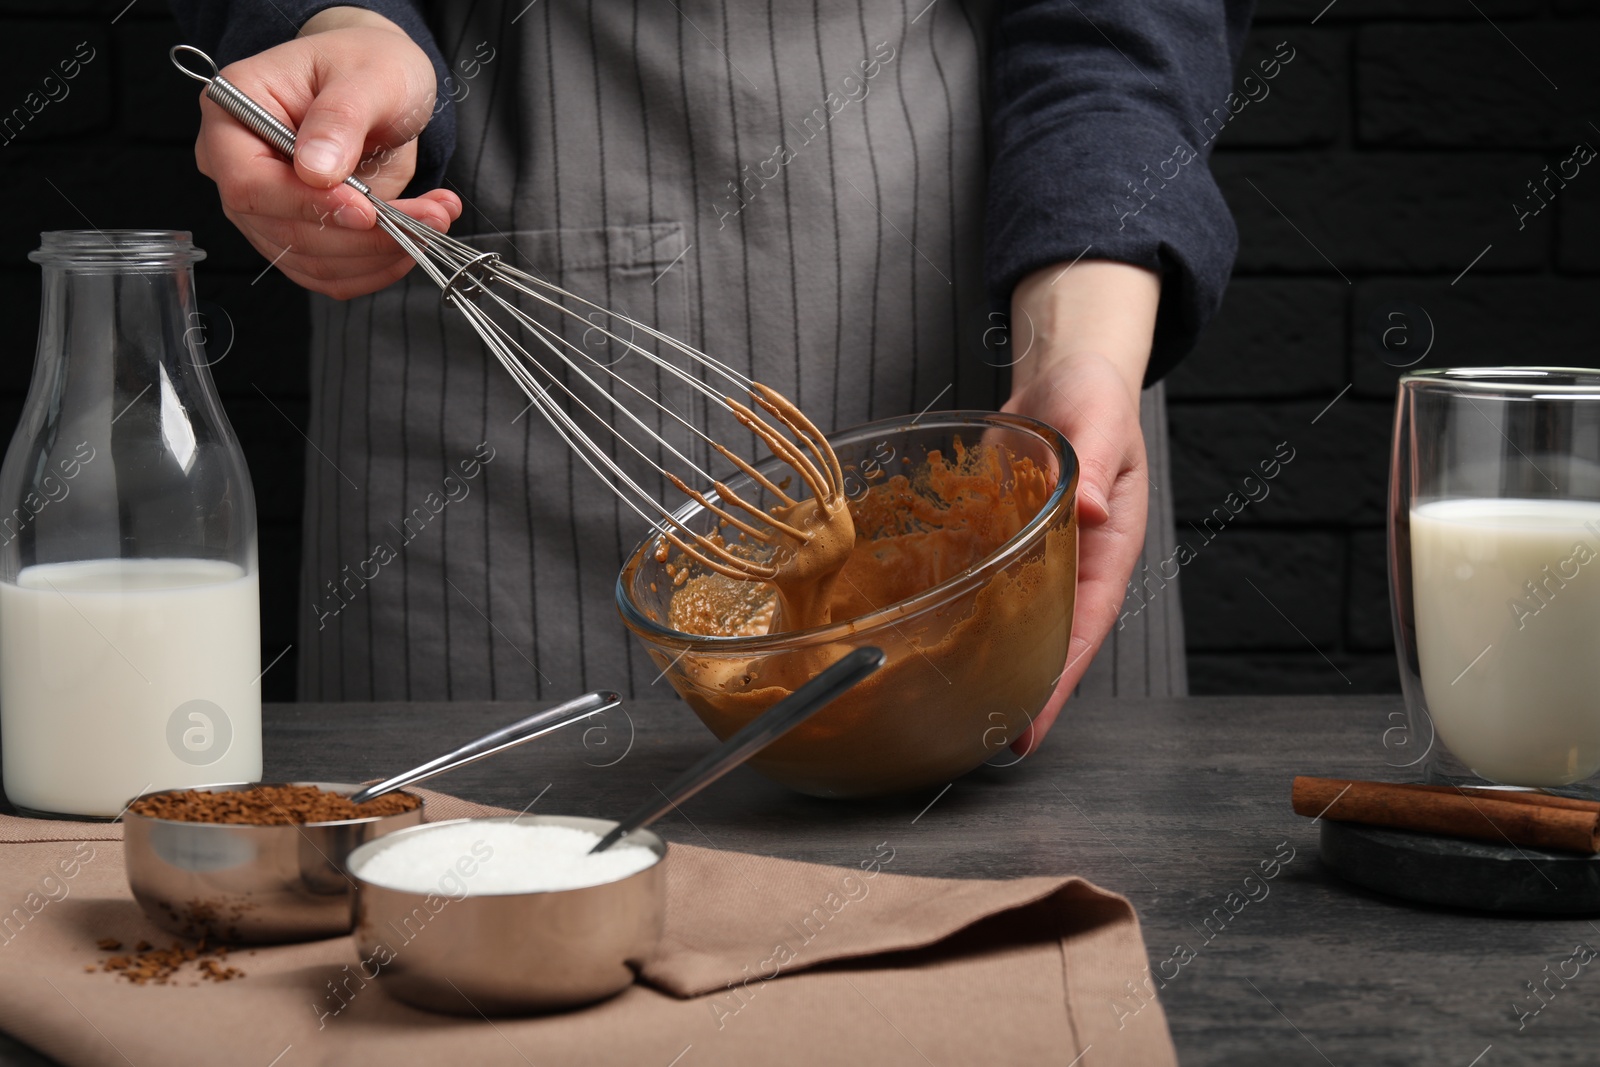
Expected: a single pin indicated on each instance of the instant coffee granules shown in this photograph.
(147, 964)
(268, 805)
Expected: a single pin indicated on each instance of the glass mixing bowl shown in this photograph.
(976, 634)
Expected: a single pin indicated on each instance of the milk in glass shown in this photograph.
(1507, 601)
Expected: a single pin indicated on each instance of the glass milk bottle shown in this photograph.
(129, 608)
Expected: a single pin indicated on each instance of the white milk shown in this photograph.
(110, 669)
(1508, 634)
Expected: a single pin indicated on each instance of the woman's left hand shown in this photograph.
(1083, 335)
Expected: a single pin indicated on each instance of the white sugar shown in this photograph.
(486, 857)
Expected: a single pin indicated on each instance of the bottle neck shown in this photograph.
(118, 305)
(126, 326)
(123, 436)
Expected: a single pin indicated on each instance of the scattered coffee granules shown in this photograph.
(209, 920)
(269, 805)
(160, 966)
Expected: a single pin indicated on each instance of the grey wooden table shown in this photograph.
(1173, 803)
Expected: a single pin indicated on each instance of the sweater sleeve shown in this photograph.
(230, 30)
(1102, 120)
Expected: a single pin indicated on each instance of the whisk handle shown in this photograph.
(237, 102)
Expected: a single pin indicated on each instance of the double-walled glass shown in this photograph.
(1494, 574)
(129, 618)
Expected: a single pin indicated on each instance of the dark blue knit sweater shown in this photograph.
(1102, 114)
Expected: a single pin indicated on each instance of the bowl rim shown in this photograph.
(1064, 495)
(332, 787)
(367, 849)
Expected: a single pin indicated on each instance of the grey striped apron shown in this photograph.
(794, 188)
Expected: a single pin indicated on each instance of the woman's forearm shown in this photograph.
(341, 18)
(1099, 309)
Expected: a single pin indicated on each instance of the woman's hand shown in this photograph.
(1083, 336)
(355, 88)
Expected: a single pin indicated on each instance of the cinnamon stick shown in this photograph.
(1530, 819)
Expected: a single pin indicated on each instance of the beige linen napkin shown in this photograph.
(764, 961)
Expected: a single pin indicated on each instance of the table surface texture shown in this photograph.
(1181, 805)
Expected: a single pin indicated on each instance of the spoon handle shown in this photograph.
(536, 725)
(766, 728)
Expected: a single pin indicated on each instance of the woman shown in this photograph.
(837, 198)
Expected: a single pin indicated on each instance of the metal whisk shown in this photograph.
(486, 290)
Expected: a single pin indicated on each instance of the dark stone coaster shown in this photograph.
(1462, 874)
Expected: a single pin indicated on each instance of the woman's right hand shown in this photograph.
(356, 88)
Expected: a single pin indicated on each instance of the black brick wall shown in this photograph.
(1386, 157)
